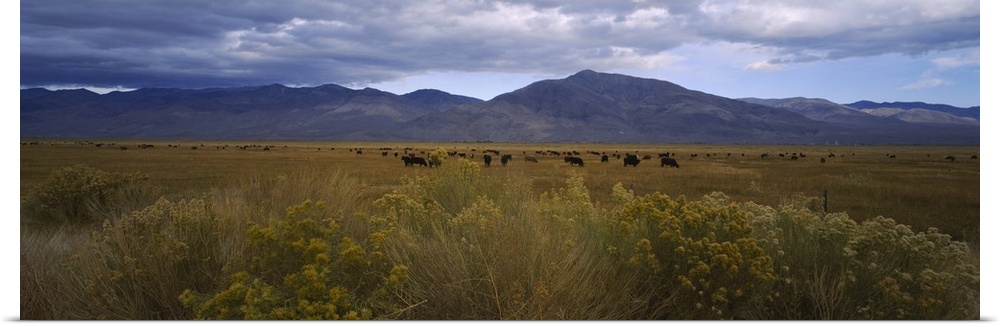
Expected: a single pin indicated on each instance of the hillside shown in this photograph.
(585, 107)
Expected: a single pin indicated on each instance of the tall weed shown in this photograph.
(478, 248)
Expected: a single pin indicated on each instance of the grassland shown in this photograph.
(316, 230)
(917, 187)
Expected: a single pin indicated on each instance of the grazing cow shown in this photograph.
(665, 161)
(604, 158)
(631, 160)
(530, 159)
(505, 158)
(822, 160)
(647, 157)
(573, 161)
(952, 158)
(487, 159)
(409, 161)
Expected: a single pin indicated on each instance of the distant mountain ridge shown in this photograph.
(972, 112)
(918, 115)
(914, 112)
(585, 107)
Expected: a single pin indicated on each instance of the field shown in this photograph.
(918, 187)
(915, 186)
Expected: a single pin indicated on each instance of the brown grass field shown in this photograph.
(538, 240)
(918, 187)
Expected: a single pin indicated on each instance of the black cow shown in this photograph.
(418, 161)
(604, 158)
(487, 160)
(505, 158)
(573, 161)
(664, 161)
(631, 160)
(410, 161)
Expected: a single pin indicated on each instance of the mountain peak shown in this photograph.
(438, 97)
(585, 73)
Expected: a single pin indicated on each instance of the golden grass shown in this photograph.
(918, 187)
(525, 241)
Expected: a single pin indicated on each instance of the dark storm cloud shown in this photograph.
(224, 43)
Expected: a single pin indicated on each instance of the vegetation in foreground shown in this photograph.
(449, 245)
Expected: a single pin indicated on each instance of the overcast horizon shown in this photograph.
(847, 51)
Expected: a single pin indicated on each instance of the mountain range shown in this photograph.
(585, 107)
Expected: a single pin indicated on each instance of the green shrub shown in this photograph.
(303, 267)
(81, 194)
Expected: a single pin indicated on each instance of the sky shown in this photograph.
(842, 51)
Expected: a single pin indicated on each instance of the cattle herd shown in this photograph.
(414, 157)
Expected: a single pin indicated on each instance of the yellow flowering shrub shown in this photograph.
(436, 157)
(700, 257)
(922, 275)
(303, 267)
(831, 267)
(139, 263)
(79, 193)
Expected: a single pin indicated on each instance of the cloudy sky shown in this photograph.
(843, 51)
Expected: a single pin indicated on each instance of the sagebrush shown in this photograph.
(459, 244)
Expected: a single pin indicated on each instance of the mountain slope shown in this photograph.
(272, 111)
(598, 107)
(585, 107)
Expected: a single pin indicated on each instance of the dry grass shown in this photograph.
(918, 187)
(523, 241)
